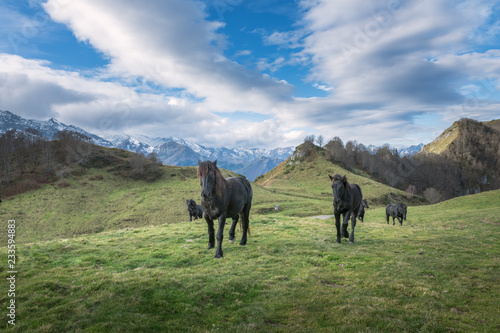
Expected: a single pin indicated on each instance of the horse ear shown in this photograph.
(215, 162)
(331, 178)
(199, 162)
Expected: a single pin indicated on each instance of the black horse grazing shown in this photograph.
(346, 202)
(361, 214)
(194, 210)
(222, 198)
(397, 210)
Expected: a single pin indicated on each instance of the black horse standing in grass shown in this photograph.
(222, 198)
(194, 210)
(398, 211)
(346, 202)
(361, 213)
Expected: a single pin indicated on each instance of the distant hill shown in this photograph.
(451, 135)
(306, 173)
(475, 146)
(465, 159)
(249, 162)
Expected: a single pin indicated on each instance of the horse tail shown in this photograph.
(241, 221)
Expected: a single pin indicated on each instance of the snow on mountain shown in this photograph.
(409, 151)
(250, 162)
(48, 128)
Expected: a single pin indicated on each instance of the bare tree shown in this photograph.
(310, 138)
(320, 140)
(137, 162)
(47, 156)
(154, 162)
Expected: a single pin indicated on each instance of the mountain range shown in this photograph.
(410, 151)
(251, 162)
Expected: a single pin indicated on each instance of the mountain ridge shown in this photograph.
(249, 162)
(442, 143)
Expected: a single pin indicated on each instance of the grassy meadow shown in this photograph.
(118, 255)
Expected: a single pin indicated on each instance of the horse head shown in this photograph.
(402, 210)
(208, 178)
(191, 204)
(340, 187)
(365, 203)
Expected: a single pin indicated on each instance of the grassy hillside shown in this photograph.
(100, 200)
(442, 142)
(438, 272)
(97, 199)
(100, 252)
(308, 178)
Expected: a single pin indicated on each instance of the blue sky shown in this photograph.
(262, 73)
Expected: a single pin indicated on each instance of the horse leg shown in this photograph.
(353, 224)
(393, 223)
(220, 236)
(245, 221)
(345, 223)
(211, 233)
(337, 224)
(232, 238)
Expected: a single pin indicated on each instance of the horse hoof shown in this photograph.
(243, 243)
(210, 247)
(338, 241)
(351, 242)
(217, 256)
(231, 241)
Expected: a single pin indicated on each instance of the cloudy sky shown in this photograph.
(260, 73)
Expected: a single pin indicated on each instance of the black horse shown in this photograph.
(346, 202)
(194, 210)
(361, 214)
(397, 210)
(222, 198)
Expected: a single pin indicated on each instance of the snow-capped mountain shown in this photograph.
(409, 151)
(172, 151)
(175, 151)
(47, 129)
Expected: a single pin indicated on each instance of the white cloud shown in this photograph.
(376, 56)
(384, 63)
(173, 44)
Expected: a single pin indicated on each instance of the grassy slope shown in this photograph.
(310, 180)
(89, 206)
(439, 272)
(441, 143)
(147, 268)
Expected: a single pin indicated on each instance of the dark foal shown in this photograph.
(194, 210)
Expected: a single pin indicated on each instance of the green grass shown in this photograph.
(120, 255)
(310, 178)
(436, 273)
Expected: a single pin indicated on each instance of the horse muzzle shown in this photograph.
(206, 196)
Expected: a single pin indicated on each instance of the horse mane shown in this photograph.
(343, 179)
(207, 167)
